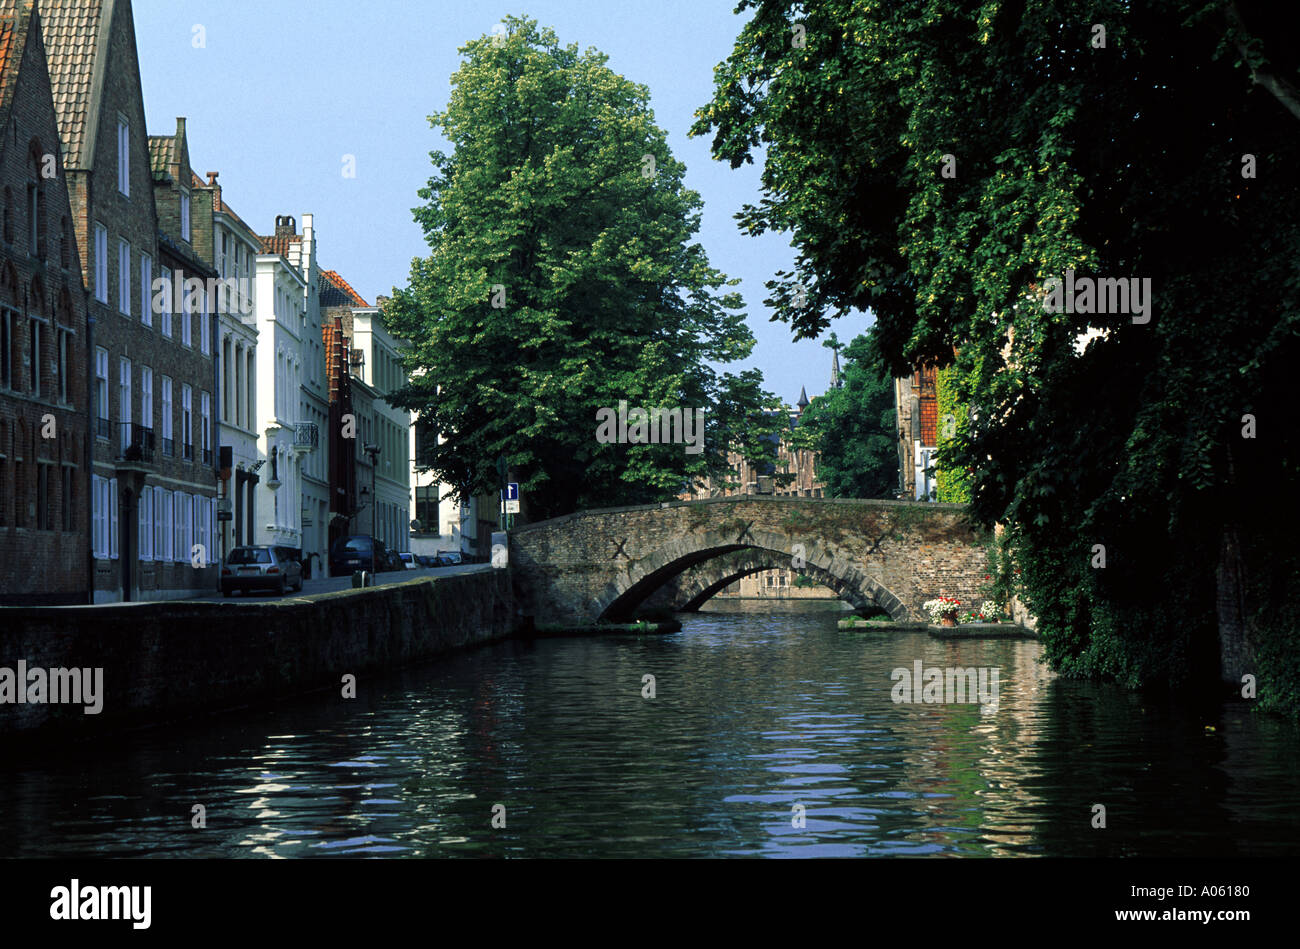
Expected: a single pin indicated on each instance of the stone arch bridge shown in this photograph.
(601, 565)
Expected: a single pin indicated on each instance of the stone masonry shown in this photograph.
(602, 565)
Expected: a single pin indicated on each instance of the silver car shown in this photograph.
(261, 568)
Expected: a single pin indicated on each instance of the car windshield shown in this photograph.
(249, 555)
(355, 544)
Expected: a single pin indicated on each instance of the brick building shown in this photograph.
(151, 359)
(918, 429)
(44, 393)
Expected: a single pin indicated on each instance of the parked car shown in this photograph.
(408, 560)
(261, 568)
(349, 554)
(427, 560)
(449, 557)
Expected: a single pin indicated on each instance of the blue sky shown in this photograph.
(284, 89)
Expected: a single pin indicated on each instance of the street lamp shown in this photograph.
(373, 451)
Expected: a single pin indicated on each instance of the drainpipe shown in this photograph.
(92, 440)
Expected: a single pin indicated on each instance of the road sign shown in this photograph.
(511, 497)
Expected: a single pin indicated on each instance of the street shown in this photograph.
(333, 584)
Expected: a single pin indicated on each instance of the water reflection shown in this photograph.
(758, 719)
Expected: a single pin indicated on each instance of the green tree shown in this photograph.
(854, 427)
(937, 162)
(562, 279)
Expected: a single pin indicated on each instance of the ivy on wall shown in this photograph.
(953, 482)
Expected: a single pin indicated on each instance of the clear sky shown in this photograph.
(282, 90)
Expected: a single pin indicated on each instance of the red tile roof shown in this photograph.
(15, 15)
(342, 295)
(72, 30)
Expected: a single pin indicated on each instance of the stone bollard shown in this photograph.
(358, 579)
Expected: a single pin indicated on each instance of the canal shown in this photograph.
(758, 719)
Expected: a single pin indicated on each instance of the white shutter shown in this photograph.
(159, 527)
(99, 508)
(178, 526)
(112, 519)
(146, 525)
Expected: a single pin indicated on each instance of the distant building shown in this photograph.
(45, 470)
(917, 407)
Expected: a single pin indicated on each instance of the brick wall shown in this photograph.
(43, 538)
(173, 661)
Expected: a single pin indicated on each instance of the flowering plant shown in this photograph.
(987, 613)
(936, 608)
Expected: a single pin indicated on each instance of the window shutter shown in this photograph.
(112, 519)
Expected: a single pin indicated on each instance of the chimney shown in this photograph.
(285, 226)
(212, 178)
(180, 132)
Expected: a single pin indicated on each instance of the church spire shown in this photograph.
(835, 369)
(803, 399)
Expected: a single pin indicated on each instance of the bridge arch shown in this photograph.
(628, 590)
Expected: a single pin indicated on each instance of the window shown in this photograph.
(6, 347)
(187, 316)
(35, 339)
(146, 397)
(124, 401)
(101, 391)
(124, 277)
(35, 221)
(99, 509)
(44, 509)
(187, 419)
(185, 216)
(160, 533)
(123, 156)
(169, 446)
(69, 487)
(205, 326)
(146, 525)
(166, 312)
(101, 263)
(146, 286)
(62, 356)
(205, 401)
(179, 548)
(169, 513)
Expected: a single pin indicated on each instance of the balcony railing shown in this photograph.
(137, 442)
(306, 436)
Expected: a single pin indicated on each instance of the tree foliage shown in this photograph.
(938, 161)
(562, 279)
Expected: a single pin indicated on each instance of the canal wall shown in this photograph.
(174, 660)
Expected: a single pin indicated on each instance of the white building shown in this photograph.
(281, 315)
(232, 252)
(380, 368)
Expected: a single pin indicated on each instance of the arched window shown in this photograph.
(35, 200)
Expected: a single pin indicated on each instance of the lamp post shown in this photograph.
(373, 451)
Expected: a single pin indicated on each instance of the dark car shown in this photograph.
(350, 554)
(450, 557)
(261, 568)
(427, 560)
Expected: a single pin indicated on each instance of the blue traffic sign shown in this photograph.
(511, 492)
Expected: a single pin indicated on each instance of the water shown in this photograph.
(753, 714)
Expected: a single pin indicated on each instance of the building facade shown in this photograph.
(918, 427)
(45, 471)
(151, 490)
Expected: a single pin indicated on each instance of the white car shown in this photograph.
(408, 561)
